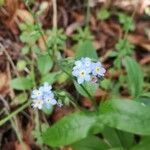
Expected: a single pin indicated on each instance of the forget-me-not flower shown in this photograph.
(38, 103)
(43, 97)
(82, 74)
(36, 94)
(83, 62)
(98, 69)
(87, 70)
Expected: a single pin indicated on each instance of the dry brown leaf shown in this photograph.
(4, 83)
(100, 93)
(69, 52)
(41, 43)
(145, 60)
(86, 103)
(19, 146)
(139, 40)
(72, 27)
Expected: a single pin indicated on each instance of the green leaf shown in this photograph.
(105, 84)
(86, 49)
(134, 76)
(47, 111)
(25, 50)
(126, 21)
(118, 138)
(143, 145)
(70, 129)
(143, 100)
(22, 83)
(111, 136)
(50, 77)
(44, 63)
(89, 86)
(126, 115)
(2, 2)
(21, 65)
(103, 14)
(117, 148)
(19, 99)
(146, 94)
(90, 143)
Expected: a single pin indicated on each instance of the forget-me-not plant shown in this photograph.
(43, 97)
(86, 70)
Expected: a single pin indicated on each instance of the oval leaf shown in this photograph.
(70, 129)
(86, 49)
(134, 76)
(44, 63)
(90, 143)
(22, 83)
(89, 86)
(126, 115)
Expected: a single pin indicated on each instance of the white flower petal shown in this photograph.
(80, 80)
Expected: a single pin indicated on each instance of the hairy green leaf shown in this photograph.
(134, 76)
(126, 115)
(22, 83)
(86, 49)
(70, 129)
(86, 87)
(90, 143)
(44, 63)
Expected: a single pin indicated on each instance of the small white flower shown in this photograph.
(38, 103)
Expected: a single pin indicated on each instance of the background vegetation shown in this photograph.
(39, 42)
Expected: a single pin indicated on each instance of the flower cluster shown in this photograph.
(43, 97)
(86, 70)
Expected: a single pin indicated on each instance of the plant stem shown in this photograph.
(86, 91)
(54, 2)
(9, 59)
(88, 13)
(39, 29)
(4, 120)
(14, 123)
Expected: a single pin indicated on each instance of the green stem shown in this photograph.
(40, 30)
(4, 120)
(86, 91)
(87, 13)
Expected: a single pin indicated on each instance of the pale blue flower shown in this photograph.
(36, 94)
(45, 88)
(87, 70)
(43, 97)
(98, 69)
(82, 75)
(84, 63)
(50, 102)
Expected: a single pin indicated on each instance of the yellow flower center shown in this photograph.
(97, 69)
(82, 73)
